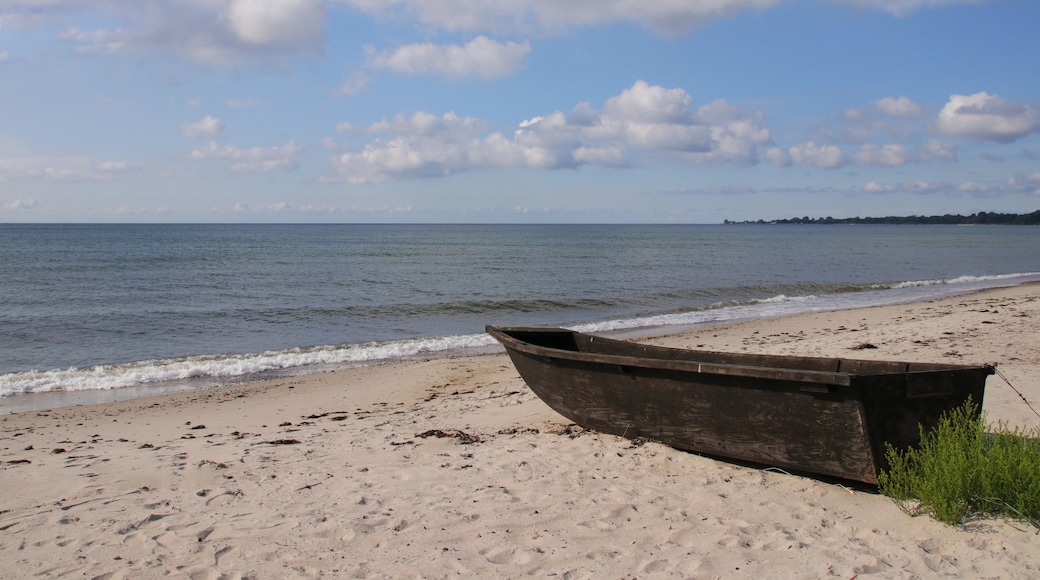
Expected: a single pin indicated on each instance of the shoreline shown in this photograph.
(193, 377)
(451, 466)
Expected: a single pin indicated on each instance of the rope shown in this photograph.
(1020, 395)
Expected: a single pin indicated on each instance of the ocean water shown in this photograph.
(92, 308)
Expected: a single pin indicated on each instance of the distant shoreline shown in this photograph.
(976, 219)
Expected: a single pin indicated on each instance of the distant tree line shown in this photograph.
(981, 218)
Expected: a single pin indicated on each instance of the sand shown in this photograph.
(451, 467)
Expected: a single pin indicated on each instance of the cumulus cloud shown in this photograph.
(642, 121)
(252, 160)
(902, 107)
(206, 128)
(875, 187)
(892, 154)
(822, 156)
(986, 117)
(287, 24)
(214, 31)
(973, 188)
(896, 154)
(894, 119)
(889, 132)
(480, 57)
(642, 103)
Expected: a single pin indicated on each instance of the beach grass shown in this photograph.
(964, 468)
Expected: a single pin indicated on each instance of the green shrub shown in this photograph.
(960, 469)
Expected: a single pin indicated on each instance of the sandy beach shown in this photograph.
(452, 467)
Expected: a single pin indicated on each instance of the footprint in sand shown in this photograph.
(653, 566)
(506, 555)
(523, 471)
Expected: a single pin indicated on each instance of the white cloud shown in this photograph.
(286, 24)
(986, 117)
(59, 169)
(822, 156)
(96, 42)
(896, 154)
(1020, 183)
(918, 187)
(645, 121)
(353, 85)
(669, 17)
(20, 204)
(214, 31)
(902, 107)
(206, 128)
(924, 187)
(875, 187)
(778, 156)
(939, 149)
(113, 167)
(252, 160)
(891, 119)
(737, 141)
(481, 57)
(642, 103)
(892, 154)
(425, 124)
(972, 187)
(1025, 183)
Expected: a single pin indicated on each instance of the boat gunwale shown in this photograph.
(836, 378)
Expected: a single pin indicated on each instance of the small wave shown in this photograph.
(116, 376)
(784, 305)
(718, 313)
(778, 299)
(957, 280)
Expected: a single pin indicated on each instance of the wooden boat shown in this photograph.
(825, 416)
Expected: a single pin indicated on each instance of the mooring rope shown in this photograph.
(1020, 395)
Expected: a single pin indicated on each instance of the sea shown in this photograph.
(100, 312)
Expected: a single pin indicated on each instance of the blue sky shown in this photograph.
(685, 111)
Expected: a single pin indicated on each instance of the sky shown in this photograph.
(516, 111)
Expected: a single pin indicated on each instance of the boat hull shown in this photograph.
(822, 416)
